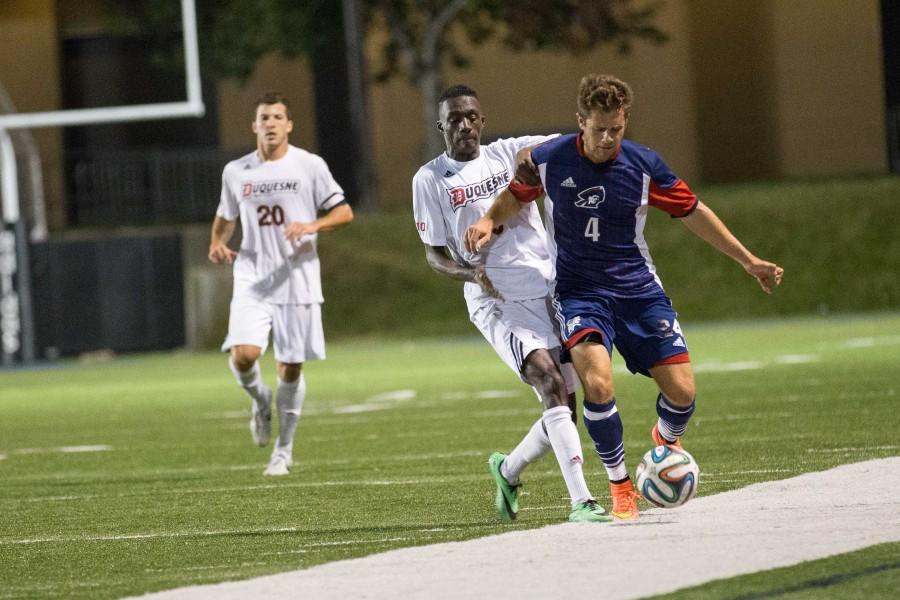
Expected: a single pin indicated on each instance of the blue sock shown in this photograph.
(673, 419)
(604, 425)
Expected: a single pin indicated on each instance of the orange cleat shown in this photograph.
(660, 441)
(624, 501)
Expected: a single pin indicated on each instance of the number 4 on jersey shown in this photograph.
(593, 229)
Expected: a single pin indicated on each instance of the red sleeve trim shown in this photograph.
(576, 339)
(678, 200)
(525, 193)
(676, 359)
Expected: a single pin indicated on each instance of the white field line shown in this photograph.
(58, 450)
(869, 342)
(852, 449)
(213, 533)
(430, 481)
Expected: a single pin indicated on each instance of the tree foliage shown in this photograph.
(424, 36)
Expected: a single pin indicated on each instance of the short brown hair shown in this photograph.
(604, 93)
(272, 98)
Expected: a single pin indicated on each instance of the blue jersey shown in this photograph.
(595, 215)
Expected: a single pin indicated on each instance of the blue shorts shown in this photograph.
(645, 331)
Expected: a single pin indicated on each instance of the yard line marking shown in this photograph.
(382, 401)
(857, 449)
(717, 367)
(269, 486)
(394, 396)
(63, 449)
(495, 394)
(359, 408)
(59, 498)
(214, 533)
(868, 342)
(745, 472)
(146, 536)
(797, 359)
(208, 567)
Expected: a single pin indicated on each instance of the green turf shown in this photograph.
(178, 498)
(870, 573)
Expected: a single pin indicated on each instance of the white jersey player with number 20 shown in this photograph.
(506, 289)
(277, 193)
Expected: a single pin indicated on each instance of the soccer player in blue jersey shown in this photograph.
(598, 188)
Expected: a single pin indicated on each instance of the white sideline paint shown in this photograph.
(760, 527)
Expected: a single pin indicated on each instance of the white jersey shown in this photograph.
(266, 196)
(450, 195)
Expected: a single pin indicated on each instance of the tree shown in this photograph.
(425, 34)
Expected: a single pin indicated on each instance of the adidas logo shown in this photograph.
(679, 343)
(568, 183)
(448, 174)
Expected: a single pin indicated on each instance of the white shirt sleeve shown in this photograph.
(328, 192)
(510, 146)
(228, 202)
(427, 210)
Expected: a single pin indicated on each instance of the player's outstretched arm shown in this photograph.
(219, 252)
(440, 262)
(708, 227)
(338, 216)
(501, 211)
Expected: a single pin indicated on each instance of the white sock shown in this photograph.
(289, 397)
(567, 447)
(533, 446)
(251, 381)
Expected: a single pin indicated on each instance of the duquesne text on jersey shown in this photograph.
(269, 187)
(460, 196)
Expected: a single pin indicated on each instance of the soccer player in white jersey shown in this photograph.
(277, 192)
(506, 288)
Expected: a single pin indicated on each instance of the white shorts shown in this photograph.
(515, 329)
(296, 329)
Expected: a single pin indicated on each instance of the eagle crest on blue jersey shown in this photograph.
(591, 197)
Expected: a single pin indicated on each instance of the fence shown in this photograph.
(144, 187)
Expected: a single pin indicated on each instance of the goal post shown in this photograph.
(17, 342)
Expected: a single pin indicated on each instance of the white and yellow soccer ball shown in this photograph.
(667, 476)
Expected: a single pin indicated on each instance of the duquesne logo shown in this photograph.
(463, 195)
(261, 188)
(591, 197)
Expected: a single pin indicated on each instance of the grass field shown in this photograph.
(138, 474)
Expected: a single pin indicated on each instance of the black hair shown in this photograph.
(272, 98)
(454, 91)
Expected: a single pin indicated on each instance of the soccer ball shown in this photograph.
(667, 476)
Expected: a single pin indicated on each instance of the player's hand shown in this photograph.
(526, 171)
(478, 235)
(297, 229)
(220, 253)
(767, 274)
(485, 282)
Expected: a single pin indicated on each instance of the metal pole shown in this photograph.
(16, 312)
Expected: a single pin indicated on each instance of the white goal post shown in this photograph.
(16, 316)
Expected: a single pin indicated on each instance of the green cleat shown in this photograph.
(507, 500)
(589, 512)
